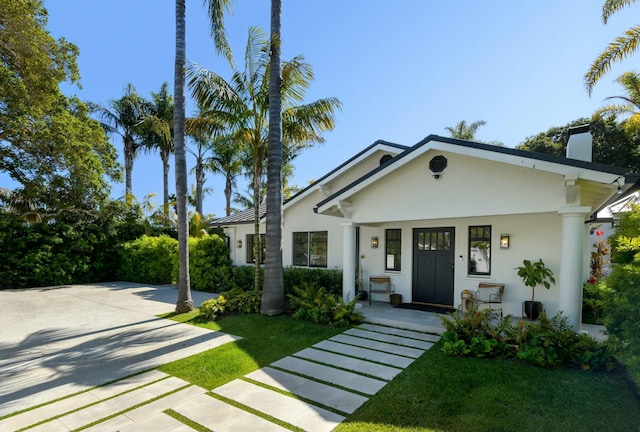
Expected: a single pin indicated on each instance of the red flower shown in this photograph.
(599, 233)
(592, 280)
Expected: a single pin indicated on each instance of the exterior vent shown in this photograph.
(386, 158)
(438, 164)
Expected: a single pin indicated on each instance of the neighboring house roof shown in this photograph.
(243, 217)
(247, 216)
(502, 154)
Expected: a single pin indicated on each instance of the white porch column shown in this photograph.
(348, 261)
(571, 263)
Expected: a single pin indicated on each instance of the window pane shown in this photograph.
(394, 247)
(447, 240)
(434, 241)
(318, 249)
(421, 241)
(300, 249)
(480, 250)
(440, 240)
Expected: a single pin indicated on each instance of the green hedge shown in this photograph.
(148, 260)
(76, 248)
(209, 264)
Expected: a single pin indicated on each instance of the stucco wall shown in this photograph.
(532, 236)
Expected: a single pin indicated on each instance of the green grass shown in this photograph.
(437, 392)
(444, 393)
(265, 340)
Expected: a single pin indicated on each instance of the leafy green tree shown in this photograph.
(619, 49)
(216, 9)
(49, 146)
(273, 300)
(243, 105)
(612, 145)
(123, 117)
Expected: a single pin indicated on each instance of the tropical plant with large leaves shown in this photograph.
(622, 47)
(242, 103)
(216, 10)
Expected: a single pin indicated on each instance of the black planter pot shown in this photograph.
(362, 295)
(532, 309)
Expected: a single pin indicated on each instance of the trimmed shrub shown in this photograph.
(148, 260)
(208, 264)
(594, 298)
(231, 302)
(331, 280)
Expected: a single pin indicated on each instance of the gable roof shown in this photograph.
(243, 217)
(377, 145)
(503, 154)
(247, 216)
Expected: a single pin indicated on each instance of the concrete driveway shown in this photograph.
(61, 340)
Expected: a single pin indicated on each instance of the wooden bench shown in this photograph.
(488, 294)
(380, 285)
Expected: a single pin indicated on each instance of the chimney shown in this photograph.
(580, 143)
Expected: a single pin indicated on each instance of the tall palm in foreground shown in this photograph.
(216, 10)
(243, 105)
(159, 122)
(622, 47)
(273, 302)
(123, 117)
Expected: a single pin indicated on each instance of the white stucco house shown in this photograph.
(447, 214)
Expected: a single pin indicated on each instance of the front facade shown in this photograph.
(444, 215)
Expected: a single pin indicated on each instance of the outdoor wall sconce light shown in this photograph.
(504, 241)
(239, 244)
(374, 242)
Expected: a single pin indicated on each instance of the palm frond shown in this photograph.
(617, 50)
(612, 6)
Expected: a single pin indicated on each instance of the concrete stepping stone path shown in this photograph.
(313, 390)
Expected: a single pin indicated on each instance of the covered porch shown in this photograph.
(429, 322)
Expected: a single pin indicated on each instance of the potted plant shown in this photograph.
(534, 274)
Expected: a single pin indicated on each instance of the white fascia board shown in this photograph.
(541, 165)
(323, 181)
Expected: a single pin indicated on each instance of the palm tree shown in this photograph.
(159, 122)
(243, 104)
(216, 9)
(226, 161)
(622, 47)
(465, 131)
(630, 105)
(273, 302)
(123, 117)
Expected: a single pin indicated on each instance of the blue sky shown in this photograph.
(403, 70)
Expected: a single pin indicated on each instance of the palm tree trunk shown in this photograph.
(184, 303)
(257, 249)
(228, 188)
(165, 184)
(128, 168)
(273, 292)
(199, 185)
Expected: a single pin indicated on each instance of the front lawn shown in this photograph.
(437, 392)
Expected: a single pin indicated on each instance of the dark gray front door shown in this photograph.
(433, 264)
